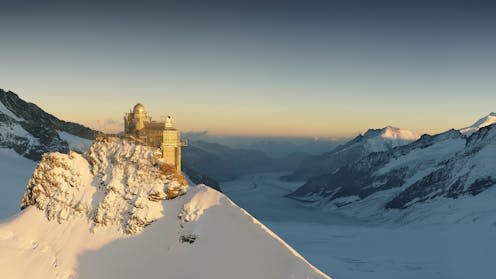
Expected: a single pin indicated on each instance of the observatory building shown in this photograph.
(139, 126)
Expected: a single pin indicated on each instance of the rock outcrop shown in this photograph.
(117, 183)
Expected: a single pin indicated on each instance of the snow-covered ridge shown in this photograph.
(387, 138)
(483, 122)
(84, 216)
(446, 165)
(390, 132)
(75, 143)
(373, 140)
(117, 183)
(383, 139)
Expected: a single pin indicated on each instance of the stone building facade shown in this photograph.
(140, 126)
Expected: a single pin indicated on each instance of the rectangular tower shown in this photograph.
(171, 145)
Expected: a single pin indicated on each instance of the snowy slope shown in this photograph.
(443, 238)
(373, 140)
(471, 172)
(113, 213)
(444, 165)
(15, 172)
(483, 122)
(75, 143)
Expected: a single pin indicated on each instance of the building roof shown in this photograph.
(138, 108)
(155, 125)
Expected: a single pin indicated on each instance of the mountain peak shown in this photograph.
(8, 93)
(390, 132)
(483, 122)
(387, 137)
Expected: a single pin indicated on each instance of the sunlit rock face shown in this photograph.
(481, 123)
(30, 131)
(117, 183)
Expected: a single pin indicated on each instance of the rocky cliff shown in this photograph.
(117, 183)
(30, 131)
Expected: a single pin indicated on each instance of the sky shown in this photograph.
(262, 68)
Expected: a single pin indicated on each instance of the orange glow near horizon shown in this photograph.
(295, 116)
(245, 128)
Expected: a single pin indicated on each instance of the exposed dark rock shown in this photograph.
(199, 178)
(188, 238)
(41, 128)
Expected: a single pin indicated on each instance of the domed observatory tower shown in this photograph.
(139, 126)
(140, 116)
(134, 122)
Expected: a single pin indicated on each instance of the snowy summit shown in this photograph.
(117, 212)
(388, 137)
(373, 140)
(483, 122)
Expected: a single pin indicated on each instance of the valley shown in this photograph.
(345, 246)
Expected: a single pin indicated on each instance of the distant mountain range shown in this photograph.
(224, 163)
(374, 140)
(274, 147)
(449, 164)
